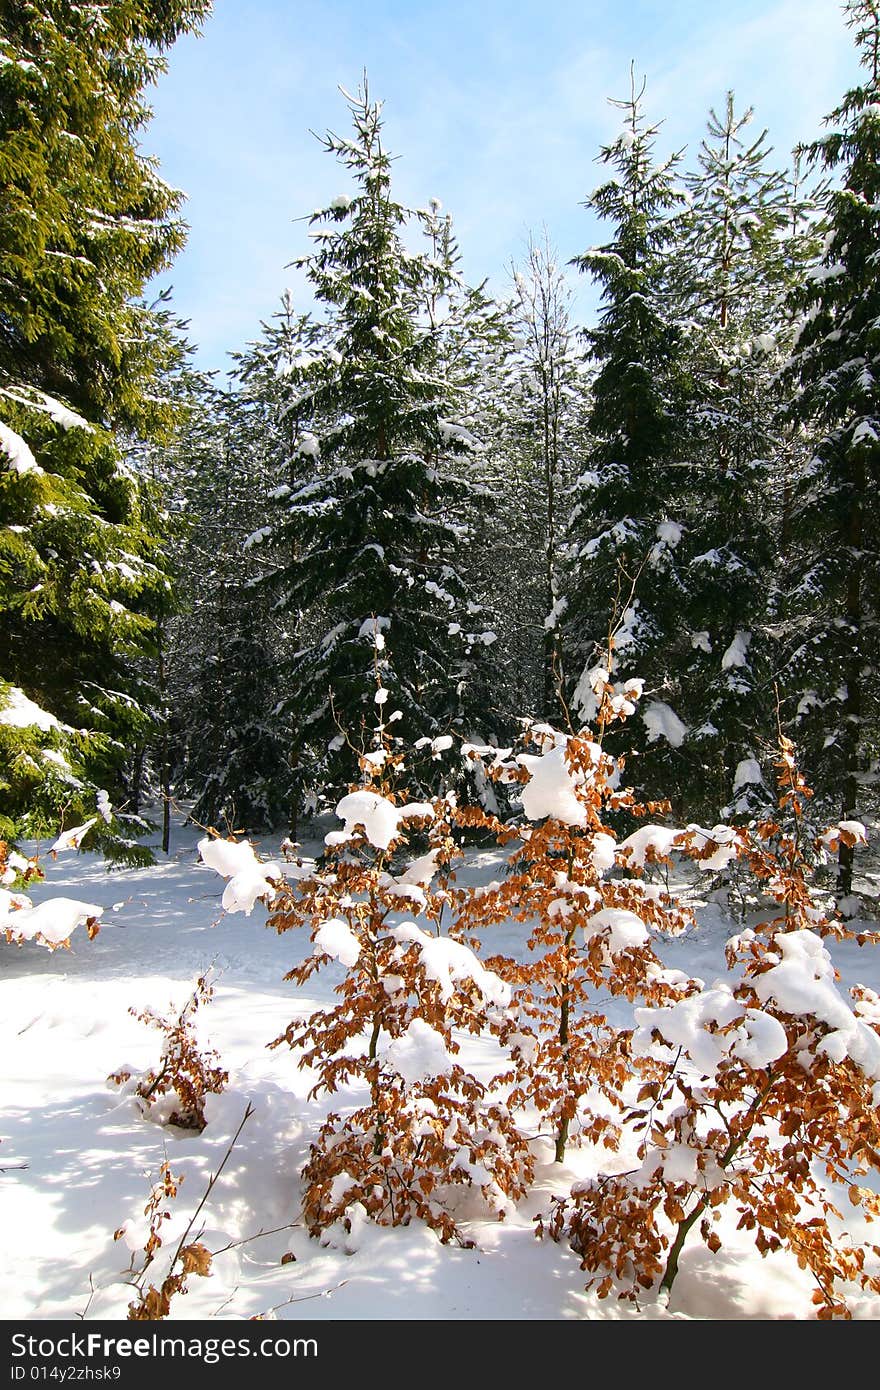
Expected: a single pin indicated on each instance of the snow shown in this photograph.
(748, 773)
(378, 816)
(669, 532)
(552, 788)
(803, 984)
(308, 446)
(249, 879)
(438, 745)
(447, 962)
(81, 1158)
(852, 829)
(17, 451)
(659, 839)
(50, 922)
(723, 837)
(335, 938)
(72, 839)
(560, 607)
(22, 713)
(663, 722)
(864, 432)
(736, 652)
(418, 1054)
(624, 928)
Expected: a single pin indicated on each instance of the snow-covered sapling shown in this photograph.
(175, 1091)
(420, 1125)
(590, 921)
(771, 1084)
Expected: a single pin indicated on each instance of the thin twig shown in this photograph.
(249, 1110)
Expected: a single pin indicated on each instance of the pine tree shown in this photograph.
(627, 518)
(377, 474)
(835, 549)
(224, 650)
(736, 248)
(546, 407)
(84, 222)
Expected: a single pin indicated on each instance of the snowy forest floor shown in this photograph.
(78, 1159)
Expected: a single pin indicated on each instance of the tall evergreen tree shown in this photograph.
(736, 248)
(835, 548)
(367, 531)
(225, 644)
(84, 222)
(546, 403)
(627, 520)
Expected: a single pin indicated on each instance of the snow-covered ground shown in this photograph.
(78, 1159)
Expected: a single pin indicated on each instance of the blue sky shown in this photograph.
(497, 109)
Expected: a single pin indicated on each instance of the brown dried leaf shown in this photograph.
(196, 1259)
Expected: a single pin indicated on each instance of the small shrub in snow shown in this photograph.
(176, 1090)
(590, 923)
(768, 1093)
(190, 1255)
(154, 1303)
(421, 1126)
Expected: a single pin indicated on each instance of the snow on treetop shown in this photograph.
(22, 713)
(552, 788)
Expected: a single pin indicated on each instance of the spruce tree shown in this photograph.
(84, 222)
(626, 523)
(736, 247)
(834, 632)
(546, 404)
(224, 643)
(370, 569)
